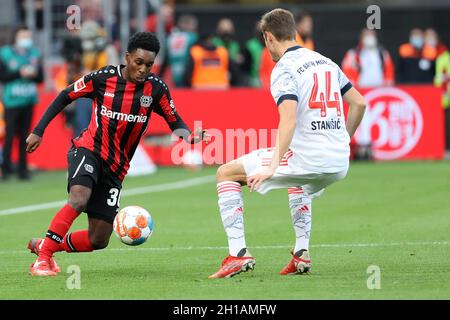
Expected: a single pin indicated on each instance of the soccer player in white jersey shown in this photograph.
(312, 147)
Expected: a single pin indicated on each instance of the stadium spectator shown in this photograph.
(433, 46)
(20, 70)
(208, 66)
(416, 59)
(225, 38)
(369, 64)
(96, 54)
(442, 80)
(179, 43)
(168, 15)
(304, 23)
(252, 57)
(100, 157)
(71, 70)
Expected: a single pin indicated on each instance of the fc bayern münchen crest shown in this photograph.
(146, 101)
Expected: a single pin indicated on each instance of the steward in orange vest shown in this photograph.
(417, 57)
(208, 66)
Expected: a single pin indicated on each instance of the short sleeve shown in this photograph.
(83, 87)
(283, 86)
(344, 83)
(165, 106)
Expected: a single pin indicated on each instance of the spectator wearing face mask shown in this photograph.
(417, 57)
(433, 47)
(369, 64)
(20, 70)
(225, 38)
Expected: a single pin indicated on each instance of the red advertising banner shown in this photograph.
(402, 122)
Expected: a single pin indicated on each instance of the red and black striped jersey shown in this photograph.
(121, 113)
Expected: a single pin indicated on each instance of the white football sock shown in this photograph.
(231, 207)
(300, 205)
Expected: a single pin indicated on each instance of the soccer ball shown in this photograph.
(133, 225)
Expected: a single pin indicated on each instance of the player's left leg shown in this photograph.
(230, 177)
(300, 203)
(99, 233)
(300, 206)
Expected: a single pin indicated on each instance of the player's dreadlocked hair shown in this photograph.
(143, 40)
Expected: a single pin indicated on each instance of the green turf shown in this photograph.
(384, 214)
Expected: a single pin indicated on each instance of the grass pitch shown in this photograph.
(395, 216)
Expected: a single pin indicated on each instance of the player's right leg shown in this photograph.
(45, 248)
(83, 171)
(230, 177)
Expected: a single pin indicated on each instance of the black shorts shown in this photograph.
(89, 170)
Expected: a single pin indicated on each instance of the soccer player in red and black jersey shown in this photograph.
(124, 97)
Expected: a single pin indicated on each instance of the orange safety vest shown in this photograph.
(406, 50)
(210, 68)
(428, 52)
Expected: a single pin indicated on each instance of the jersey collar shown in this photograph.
(293, 48)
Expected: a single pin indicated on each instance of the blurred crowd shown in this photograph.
(197, 60)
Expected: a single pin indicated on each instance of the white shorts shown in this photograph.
(289, 174)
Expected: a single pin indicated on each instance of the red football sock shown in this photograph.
(58, 228)
(77, 241)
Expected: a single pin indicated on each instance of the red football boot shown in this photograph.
(300, 263)
(35, 245)
(41, 268)
(232, 266)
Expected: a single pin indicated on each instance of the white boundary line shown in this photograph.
(126, 193)
(323, 245)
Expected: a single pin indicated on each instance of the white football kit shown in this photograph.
(319, 152)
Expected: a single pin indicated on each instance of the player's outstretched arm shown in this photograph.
(84, 87)
(35, 138)
(357, 107)
(166, 109)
